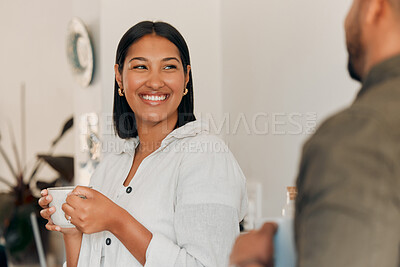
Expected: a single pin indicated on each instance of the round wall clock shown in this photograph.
(80, 52)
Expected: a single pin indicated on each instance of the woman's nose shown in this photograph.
(155, 81)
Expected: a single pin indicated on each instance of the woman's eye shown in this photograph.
(170, 67)
(139, 67)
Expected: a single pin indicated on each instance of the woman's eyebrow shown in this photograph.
(145, 59)
(138, 58)
(171, 58)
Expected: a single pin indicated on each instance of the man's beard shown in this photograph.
(351, 69)
(355, 51)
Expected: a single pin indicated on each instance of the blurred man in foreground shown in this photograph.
(348, 204)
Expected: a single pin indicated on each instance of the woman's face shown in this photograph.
(153, 79)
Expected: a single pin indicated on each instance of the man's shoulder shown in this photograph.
(377, 111)
(383, 100)
(355, 122)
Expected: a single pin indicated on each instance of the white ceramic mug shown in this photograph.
(59, 195)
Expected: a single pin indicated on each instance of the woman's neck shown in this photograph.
(152, 134)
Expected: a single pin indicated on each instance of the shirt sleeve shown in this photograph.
(211, 201)
(346, 211)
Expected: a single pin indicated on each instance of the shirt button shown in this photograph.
(108, 241)
(128, 189)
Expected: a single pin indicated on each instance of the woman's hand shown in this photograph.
(46, 212)
(89, 210)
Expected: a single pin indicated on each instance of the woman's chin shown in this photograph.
(157, 116)
(154, 118)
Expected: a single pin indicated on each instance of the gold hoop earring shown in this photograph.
(185, 92)
(121, 91)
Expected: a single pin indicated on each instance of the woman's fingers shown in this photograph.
(46, 213)
(69, 231)
(52, 227)
(74, 201)
(44, 192)
(45, 200)
(83, 192)
(68, 210)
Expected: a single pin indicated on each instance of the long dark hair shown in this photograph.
(124, 117)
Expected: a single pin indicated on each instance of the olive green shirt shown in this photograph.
(348, 206)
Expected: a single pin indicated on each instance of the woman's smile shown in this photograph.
(154, 99)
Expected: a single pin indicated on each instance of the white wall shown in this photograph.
(285, 59)
(32, 50)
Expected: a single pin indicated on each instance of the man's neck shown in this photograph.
(387, 45)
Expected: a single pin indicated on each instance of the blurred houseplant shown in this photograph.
(22, 196)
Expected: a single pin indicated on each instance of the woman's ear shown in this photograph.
(187, 76)
(118, 76)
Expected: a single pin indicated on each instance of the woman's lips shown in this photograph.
(154, 99)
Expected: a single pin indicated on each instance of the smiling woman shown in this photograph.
(154, 81)
(164, 200)
(167, 55)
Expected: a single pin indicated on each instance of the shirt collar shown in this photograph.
(128, 146)
(381, 72)
(190, 129)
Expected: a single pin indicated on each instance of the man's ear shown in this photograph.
(118, 76)
(375, 10)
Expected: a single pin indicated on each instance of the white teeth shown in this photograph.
(154, 97)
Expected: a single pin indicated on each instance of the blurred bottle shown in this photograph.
(289, 209)
(285, 251)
